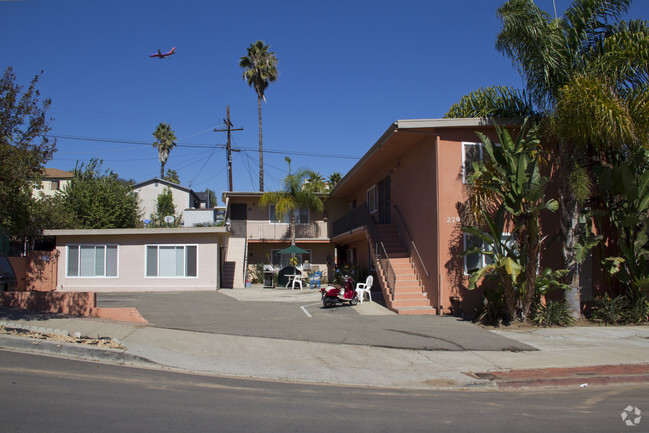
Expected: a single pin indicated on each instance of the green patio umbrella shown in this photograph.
(293, 250)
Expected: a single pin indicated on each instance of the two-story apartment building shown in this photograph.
(258, 237)
(396, 214)
(406, 195)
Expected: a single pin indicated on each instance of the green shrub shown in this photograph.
(553, 313)
(492, 311)
(637, 311)
(610, 311)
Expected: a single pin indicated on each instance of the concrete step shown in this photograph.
(416, 310)
(411, 303)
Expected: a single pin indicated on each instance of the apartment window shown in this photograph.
(472, 152)
(92, 261)
(301, 216)
(54, 185)
(372, 202)
(175, 261)
(476, 260)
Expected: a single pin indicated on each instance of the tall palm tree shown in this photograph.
(165, 140)
(260, 69)
(586, 73)
(293, 196)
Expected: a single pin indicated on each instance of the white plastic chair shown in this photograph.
(297, 280)
(366, 287)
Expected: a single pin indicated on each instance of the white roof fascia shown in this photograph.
(137, 231)
(462, 122)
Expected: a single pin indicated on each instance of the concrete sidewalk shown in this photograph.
(355, 364)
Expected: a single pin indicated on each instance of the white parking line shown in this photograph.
(308, 305)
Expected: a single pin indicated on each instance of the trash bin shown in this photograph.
(269, 273)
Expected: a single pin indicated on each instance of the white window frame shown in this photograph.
(158, 276)
(372, 199)
(105, 248)
(465, 144)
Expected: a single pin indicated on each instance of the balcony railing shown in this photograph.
(264, 230)
(357, 217)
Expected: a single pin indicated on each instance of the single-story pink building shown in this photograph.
(162, 259)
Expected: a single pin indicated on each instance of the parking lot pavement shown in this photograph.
(298, 315)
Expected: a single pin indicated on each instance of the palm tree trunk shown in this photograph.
(569, 219)
(292, 228)
(531, 267)
(261, 149)
(162, 170)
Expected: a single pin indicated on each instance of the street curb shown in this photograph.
(74, 350)
(567, 377)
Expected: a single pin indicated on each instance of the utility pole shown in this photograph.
(229, 130)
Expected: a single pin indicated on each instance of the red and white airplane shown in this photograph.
(162, 55)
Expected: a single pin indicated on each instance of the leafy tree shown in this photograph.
(334, 178)
(315, 182)
(165, 207)
(24, 150)
(172, 176)
(586, 74)
(624, 189)
(510, 179)
(212, 196)
(260, 69)
(293, 196)
(165, 140)
(97, 200)
(497, 101)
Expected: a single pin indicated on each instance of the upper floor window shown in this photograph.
(92, 261)
(301, 216)
(54, 185)
(372, 202)
(171, 261)
(471, 152)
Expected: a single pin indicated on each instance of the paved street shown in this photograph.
(298, 315)
(57, 395)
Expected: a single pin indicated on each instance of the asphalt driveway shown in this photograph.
(298, 315)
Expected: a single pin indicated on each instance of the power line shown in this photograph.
(220, 146)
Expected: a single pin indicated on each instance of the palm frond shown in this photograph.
(496, 102)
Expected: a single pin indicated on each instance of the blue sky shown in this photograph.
(348, 69)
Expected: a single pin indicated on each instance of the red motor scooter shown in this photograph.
(332, 295)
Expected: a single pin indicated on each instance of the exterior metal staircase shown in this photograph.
(402, 290)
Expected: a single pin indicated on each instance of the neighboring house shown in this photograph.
(404, 198)
(149, 190)
(54, 180)
(258, 237)
(125, 260)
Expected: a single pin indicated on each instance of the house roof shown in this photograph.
(400, 136)
(165, 182)
(57, 174)
(138, 231)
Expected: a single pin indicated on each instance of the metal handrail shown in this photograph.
(411, 240)
(390, 275)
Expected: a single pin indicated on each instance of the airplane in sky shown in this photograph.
(162, 55)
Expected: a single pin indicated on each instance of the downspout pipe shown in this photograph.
(437, 229)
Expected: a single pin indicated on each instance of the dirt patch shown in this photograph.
(103, 342)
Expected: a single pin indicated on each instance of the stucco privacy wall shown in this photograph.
(131, 258)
